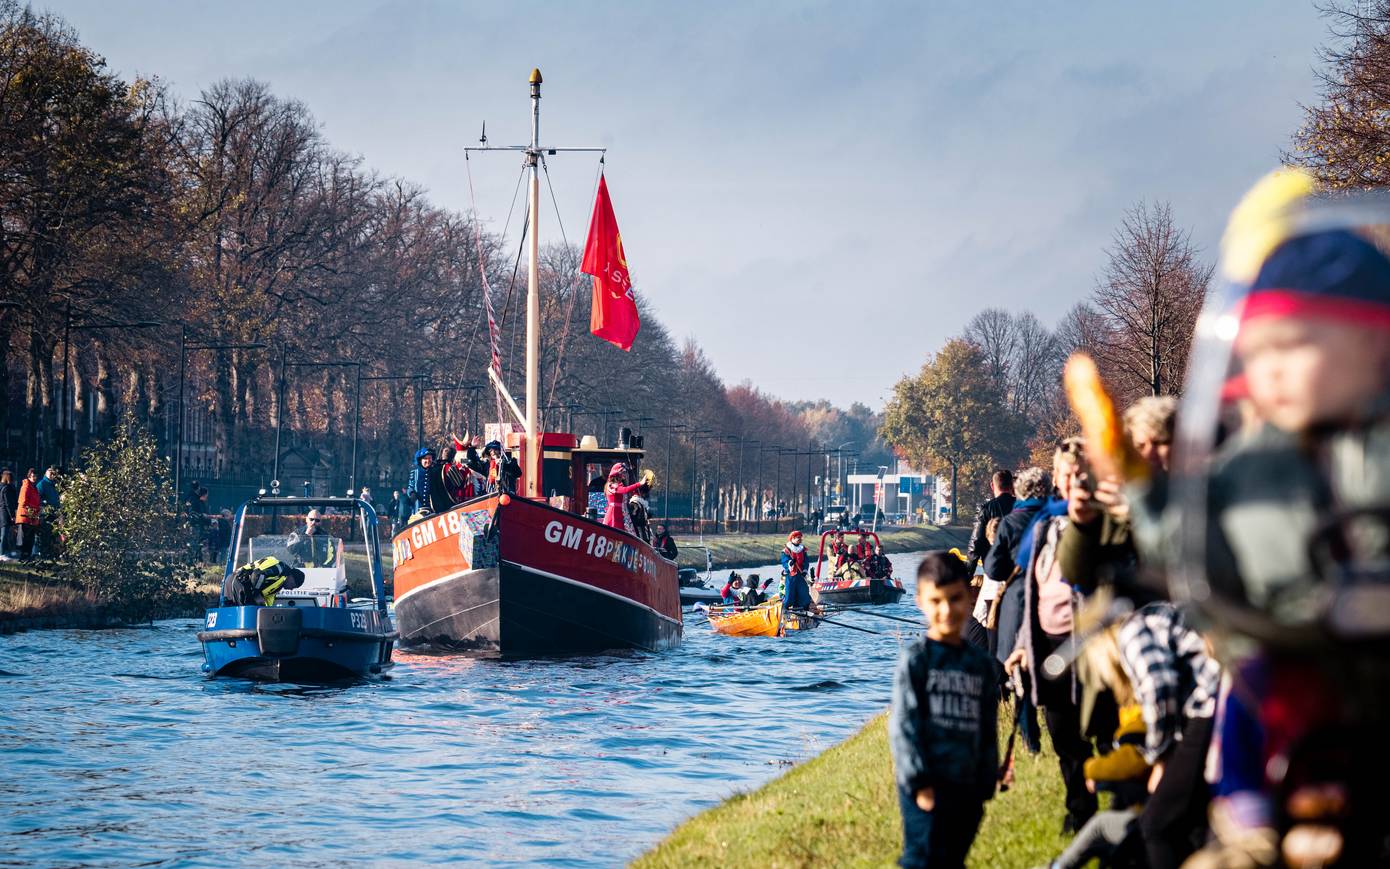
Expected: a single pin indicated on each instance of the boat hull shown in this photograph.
(869, 591)
(523, 579)
(760, 621)
(296, 644)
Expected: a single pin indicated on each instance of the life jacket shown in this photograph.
(798, 560)
(257, 583)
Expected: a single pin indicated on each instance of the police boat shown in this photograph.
(284, 613)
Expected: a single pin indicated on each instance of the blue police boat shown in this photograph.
(284, 613)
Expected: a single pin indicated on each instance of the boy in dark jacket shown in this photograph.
(942, 729)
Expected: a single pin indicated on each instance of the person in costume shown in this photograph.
(798, 593)
(616, 491)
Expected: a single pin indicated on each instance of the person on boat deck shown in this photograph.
(501, 470)
(439, 500)
(839, 552)
(639, 506)
(616, 491)
(418, 493)
(798, 593)
(733, 590)
(664, 543)
(314, 547)
(464, 474)
(877, 566)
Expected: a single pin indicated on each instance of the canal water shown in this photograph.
(116, 751)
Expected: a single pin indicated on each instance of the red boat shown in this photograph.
(507, 575)
(856, 583)
(528, 574)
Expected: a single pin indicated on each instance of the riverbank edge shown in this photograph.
(35, 598)
(733, 551)
(840, 808)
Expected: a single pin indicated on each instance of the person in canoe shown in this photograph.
(732, 593)
(616, 491)
(798, 593)
(754, 596)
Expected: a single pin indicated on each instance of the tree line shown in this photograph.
(133, 223)
(1000, 380)
(992, 397)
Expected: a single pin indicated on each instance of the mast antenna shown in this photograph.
(483, 139)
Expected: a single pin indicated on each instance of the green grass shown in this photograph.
(840, 809)
(752, 550)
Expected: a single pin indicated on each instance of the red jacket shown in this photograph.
(617, 516)
(29, 503)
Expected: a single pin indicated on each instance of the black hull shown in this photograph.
(513, 611)
(876, 592)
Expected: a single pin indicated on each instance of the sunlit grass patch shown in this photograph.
(840, 809)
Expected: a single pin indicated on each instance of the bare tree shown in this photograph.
(1344, 139)
(995, 332)
(1149, 296)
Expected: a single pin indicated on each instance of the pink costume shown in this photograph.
(616, 516)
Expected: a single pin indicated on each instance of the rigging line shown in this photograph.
(472, 339)
(516, 267)
(496, 359)
(574, 285)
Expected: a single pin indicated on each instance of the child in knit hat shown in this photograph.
(1312, 349)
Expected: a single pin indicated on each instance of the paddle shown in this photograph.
(837, 624)
(861, 612)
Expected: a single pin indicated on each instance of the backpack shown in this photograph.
(256, 583)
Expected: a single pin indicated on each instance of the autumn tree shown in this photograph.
(77, 183)
(953, 418)
(1345, 139)
(1148, 296)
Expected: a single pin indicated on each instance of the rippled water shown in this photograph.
(117, 751)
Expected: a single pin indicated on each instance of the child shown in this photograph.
(1313, 344)
(942, 729)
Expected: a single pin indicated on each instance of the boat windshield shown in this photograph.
(298, 549)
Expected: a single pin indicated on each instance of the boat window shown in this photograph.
(297, 550)
(557, 477)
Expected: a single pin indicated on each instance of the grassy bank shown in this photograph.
(840, 809)
(33, 596)
(751, 550)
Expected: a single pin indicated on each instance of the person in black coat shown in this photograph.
(1033, 487)
(9, 510)
(995, 508)
(664, 543)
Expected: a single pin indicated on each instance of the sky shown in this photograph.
(820, 193)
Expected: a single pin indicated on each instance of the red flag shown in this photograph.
(614, 316)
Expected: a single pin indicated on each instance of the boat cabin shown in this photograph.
(573, 472)
(321, 559)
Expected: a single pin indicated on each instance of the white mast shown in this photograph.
(533, 301)
(532, 418)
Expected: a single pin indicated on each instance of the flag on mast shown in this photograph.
(614, 311)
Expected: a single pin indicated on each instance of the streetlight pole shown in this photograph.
(184, 348)
(331, 363)
(772, 448)
(666, 489)
(64, 405)
(695, 439)
(279, 419)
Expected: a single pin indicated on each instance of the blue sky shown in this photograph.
(821, 193)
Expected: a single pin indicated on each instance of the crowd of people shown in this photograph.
(1233, 718)
(29, 515)
(457, 472)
